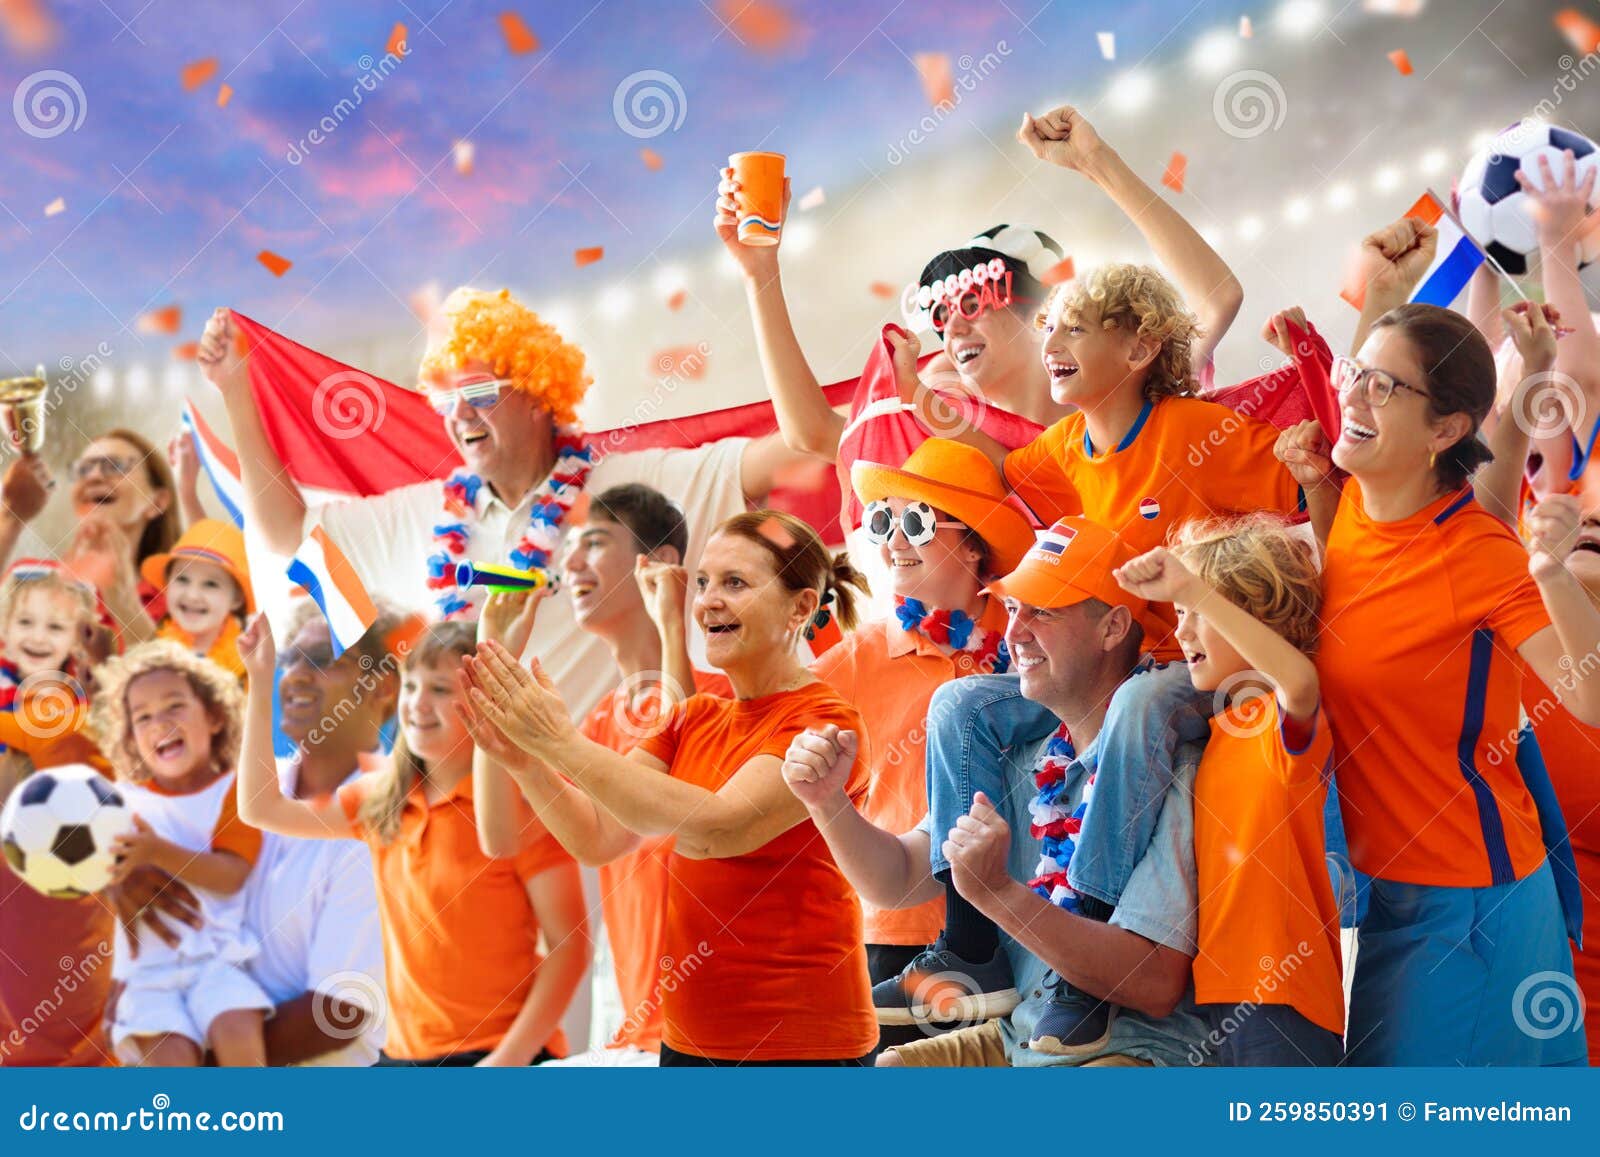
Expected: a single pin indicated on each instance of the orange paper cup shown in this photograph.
(760, 197)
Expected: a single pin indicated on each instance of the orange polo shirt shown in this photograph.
(1269, 924)
(460, 941)
(633, 889)
(1571, 752)
(1184, 458)
(768, 961)
(1422, 618)
(890, 674)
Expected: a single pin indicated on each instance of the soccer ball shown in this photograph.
(1494, 209)
(57, 828)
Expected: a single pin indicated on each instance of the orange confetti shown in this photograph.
(1245, 30)
(676, 299)
(28, 27)
(1401, 62)
(276, 265)
(1581, 32)
(652, 160)
(758, 24)
(937, 83)
(167, 319)
(882, 289)
(588, 256)
(519, 39)
(1177, 167)
(685, 362)
(464, 151)
(776, 533)
(1059, 272)
(196, 74)
(224, 95)
(187, 352)
(397, 42)
(59, 205)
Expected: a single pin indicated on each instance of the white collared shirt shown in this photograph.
(388, 538)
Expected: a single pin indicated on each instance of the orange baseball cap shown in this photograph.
(1069, 563)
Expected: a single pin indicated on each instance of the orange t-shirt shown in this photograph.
(1571, 753)
(460, 941)
(890, 674)
(633, 889)
(767, 950)
(1269, 923)
(1421, 621)
(55, 970)
(1185, 458)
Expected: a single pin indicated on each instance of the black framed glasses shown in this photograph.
(1375, 385)
(917, 522)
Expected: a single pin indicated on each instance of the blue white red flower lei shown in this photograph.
(956, 631)
(1053, 824)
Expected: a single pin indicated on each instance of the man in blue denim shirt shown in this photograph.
(1074, 636)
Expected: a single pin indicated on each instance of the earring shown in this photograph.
(1432, 458)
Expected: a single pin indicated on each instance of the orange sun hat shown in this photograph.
(208, 540)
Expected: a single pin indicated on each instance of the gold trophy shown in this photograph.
(22, 411)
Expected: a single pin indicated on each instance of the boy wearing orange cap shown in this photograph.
(206, 581)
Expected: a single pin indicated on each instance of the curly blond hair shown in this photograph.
(1258, 562)
(112, 729)
(516, 343)
(1139, 299)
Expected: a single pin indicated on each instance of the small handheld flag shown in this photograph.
(321, 567)
(501, 578)
(220, 463)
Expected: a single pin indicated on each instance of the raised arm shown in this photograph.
(262, 803)
(888, 870)
(23, 494)
(272, 502)
(1065, 137)
(1561, 208)
(1522, 399)
(1391, 264)
(1559, 653)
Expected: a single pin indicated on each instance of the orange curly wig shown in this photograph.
(515, 342)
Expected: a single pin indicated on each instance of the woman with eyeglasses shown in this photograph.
(1429, 600)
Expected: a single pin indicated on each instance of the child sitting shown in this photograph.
(170, 723)
(206, 581)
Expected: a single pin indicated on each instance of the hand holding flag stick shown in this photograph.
(258, 651)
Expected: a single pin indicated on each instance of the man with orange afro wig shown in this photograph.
(507, 387)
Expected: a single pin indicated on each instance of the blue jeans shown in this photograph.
(1153, 712)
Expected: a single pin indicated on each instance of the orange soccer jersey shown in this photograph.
(633, 889)
(768, 958)
(1269, 923)
(1184, 458)
(1422, 618)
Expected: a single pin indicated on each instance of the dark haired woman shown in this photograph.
(763, 932)
(1429, 600)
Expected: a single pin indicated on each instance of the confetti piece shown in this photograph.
(588, 256)
(676, 298)
(187, 352)
(1108, 44)
(685, 362)
(652, 160)
(882, 289)
(758, 24)
(1059, 272)
(224, 95)
(1581, 32)
(276, 265)
(1245, 30)
(59, 205)
(1177, 168)
(519, 39)
(776, 533)
(196, 74)
(167, 319)
(464, 152)
(424, 302)
(27, 25)
(937, 83)
(813, 199)
(397, 42)
(1401, 62)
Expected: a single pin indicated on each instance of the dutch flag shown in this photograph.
(220, 463)
(1458, 257)
(321, 567)
(1149, 508)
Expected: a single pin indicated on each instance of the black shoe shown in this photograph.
(1073, 1023)
(940, 987)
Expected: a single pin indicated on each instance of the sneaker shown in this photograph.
(1073, 1023)
(940, 987)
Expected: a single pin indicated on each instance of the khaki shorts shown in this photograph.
(981, 1047)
